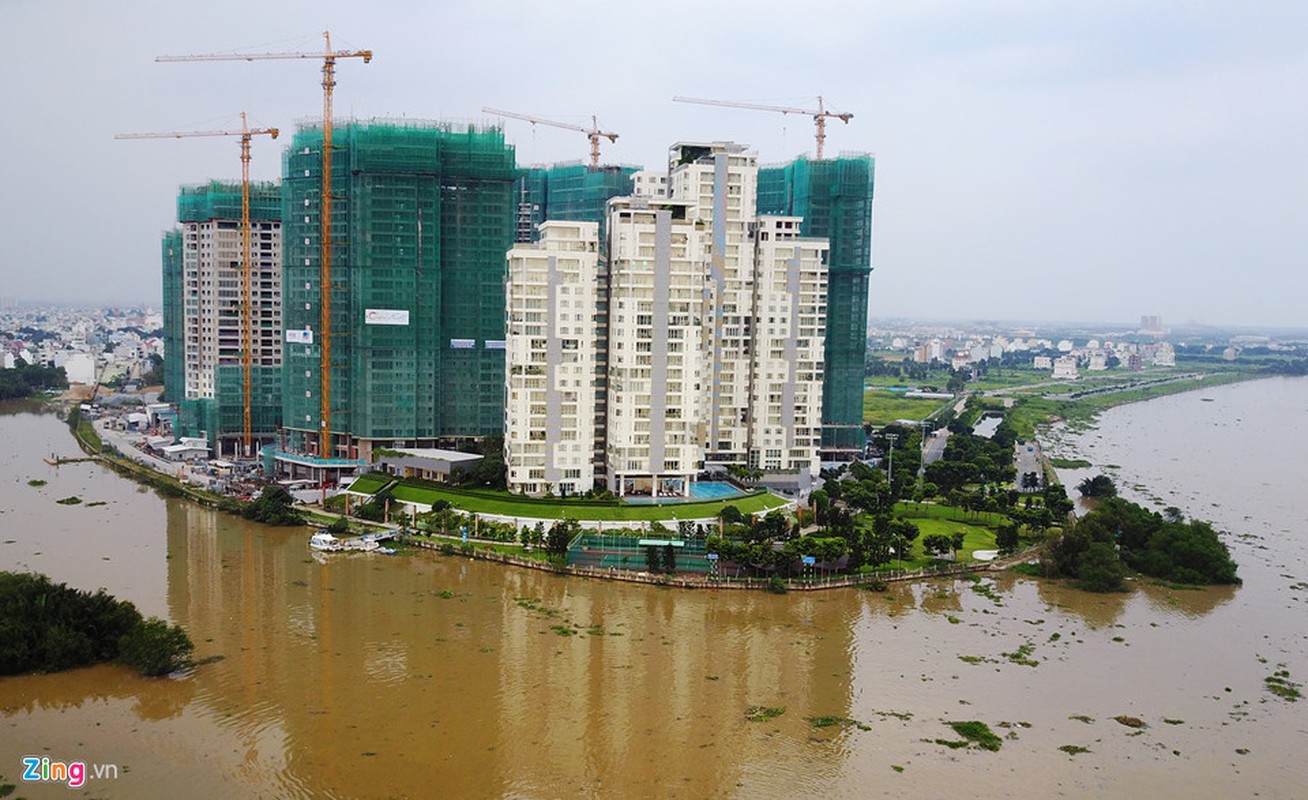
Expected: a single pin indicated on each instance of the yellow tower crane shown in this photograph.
(328, 57)
(247, 343)
(819, 115)
(593, 132)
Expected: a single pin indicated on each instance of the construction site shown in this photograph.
(359, 304)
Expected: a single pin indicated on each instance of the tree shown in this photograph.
(560, 536)
(732, 515)
(1006, 538)
(669, 559)
(956, 540)
(273, 507)
(155, 648)
(1100, 569)
(1098, 486)
(936, 544)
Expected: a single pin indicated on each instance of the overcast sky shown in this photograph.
(1035, 160)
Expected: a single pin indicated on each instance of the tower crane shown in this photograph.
(328, 57)
(247, 344)
(820, 115)
(593, 132)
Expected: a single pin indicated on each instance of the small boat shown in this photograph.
(322, 540)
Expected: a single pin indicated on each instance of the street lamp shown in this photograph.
(890, 467)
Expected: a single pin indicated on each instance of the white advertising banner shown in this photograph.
(385, 316)
(299, 337)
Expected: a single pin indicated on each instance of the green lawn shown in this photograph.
(516, 506)
(370, 483)
(882, 407)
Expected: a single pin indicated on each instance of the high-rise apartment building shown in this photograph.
(714, 337)
(203, 302)
(551, 295)
(719, 182)
(656, 361)
(786, 353)
(422, 219)
(834, 199)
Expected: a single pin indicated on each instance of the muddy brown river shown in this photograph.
(428, 676)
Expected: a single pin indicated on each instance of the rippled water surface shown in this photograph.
(419, 676)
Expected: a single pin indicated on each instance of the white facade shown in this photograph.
(656, 362)
(550, 343)
(720, 182)
(211, 269)
(790, 282)
(707, 321)
(648, 183)
(1065, 369)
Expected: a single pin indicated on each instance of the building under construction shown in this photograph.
(834, 197)
(203, 305)
(422, 217)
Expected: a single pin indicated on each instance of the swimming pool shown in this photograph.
(700, 490)
(713, 490)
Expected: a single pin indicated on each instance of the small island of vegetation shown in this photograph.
(49, 627)
(1119, 535)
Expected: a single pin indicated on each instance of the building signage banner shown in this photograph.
(494, 344)
(385, 316)
(463, 344)
(299, 337)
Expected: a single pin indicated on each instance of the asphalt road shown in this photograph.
(1027, 460)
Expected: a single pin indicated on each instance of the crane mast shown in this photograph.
(247, 336)
(329, 57)
(820, 115)
(593, 132)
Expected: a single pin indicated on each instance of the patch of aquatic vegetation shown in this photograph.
(1130, 722)
(903, 716)
(977, 660)
(69, 501)
(978, 732)
(763, 713)
(1082, 718)
(36, 482)
(1074, 749)
(831, 722)
(1022, 656)
(987, 590)
(1279, 684)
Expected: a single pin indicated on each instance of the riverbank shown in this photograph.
(1030, 412)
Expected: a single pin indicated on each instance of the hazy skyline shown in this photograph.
(1034, 160)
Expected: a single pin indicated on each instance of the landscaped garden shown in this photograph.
(490, 501)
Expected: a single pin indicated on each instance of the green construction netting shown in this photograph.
(222, 200)
(574, 192)
(835, 199)
(423, 217)
(174, 305)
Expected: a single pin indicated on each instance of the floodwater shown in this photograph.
(421, 675)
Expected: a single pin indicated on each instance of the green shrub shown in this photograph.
(155, 648)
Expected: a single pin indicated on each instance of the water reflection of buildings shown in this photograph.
(370, 674)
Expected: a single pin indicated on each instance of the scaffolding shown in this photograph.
(575, 192)
(424, 216)
(834, 197)
(174, 305)
(222, 200)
